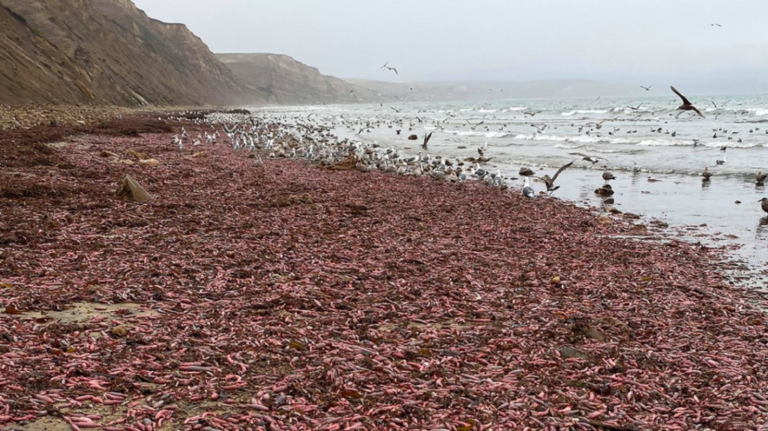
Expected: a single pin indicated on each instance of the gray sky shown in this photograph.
(629, 41)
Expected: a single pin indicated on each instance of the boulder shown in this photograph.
(133, 191)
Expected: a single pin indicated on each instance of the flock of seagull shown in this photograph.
(316, 142)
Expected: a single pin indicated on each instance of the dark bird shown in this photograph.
(390, 68)
(550, 182)
(526, 172)
(722, 162)
(397, 110)
(706, 174)
(607, 176)
(648, 88)
(687, 105)
(760, 178)
(426, 141)
(765, 204)
(591, 159)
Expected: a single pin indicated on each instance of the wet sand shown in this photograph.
(290, 295)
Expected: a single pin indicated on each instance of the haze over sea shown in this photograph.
(676, 155)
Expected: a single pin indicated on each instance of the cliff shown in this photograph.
(282, 80)
(106, 52)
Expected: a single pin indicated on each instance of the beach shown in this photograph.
(291, 296)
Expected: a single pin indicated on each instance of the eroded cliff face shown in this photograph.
(282, 80)
(106, 52)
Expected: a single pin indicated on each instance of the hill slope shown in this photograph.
(283, 80)
(106, 52)
(497, 90)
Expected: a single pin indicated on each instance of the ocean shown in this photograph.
(668, 145)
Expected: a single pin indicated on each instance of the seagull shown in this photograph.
(714, 24)
(648, 88)
(550, 182)
(607, 176)
(635, 108)
(539, 129)
(591, 159)
(530, 193)
(475, 126)
(686, 106)
(635, 168)
(426, 141)
(760, 178)
(386, 66)
(764, 205)
(706, 174)
(722, 162)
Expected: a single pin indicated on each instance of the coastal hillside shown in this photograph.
(106, 52)
(283, 80)
(498, 90)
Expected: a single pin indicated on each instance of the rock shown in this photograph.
(660, 224)
(568, 352)
(200, 155)
(126, 162)
(149, 162)
(604, 219)
(587, 331)
(110, 154)
(640, 227)
(137, 155)
(555, 280)
(131, 190)
(120, 331)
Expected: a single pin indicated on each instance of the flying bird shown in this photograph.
(475, 126)
(648, 88)
(550, 182)
(426, 141)
(687, 105)
(635, 108)
(389, 68)
(591, 159)
(714, 24)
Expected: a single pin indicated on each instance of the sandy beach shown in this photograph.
(296, 297)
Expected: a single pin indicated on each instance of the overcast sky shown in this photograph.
(615, 40)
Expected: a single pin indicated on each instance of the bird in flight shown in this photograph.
(475, 126)
(714, 24)
(687, 105)
(386, 66)
(591, 159)
(648, 88)
(635, 108)
(550, 182)
(426, 141)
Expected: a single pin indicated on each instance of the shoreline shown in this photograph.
(292, 294)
